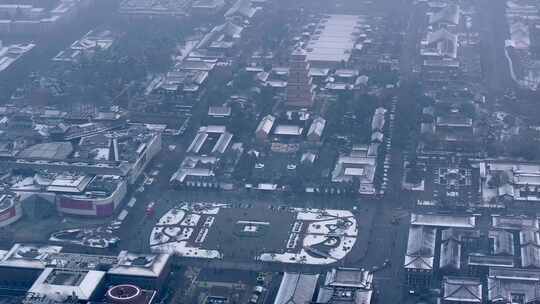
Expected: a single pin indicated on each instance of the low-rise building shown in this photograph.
(505, 285)
(296, 288)
(453, 253)
(347, 285)
(459, 290)
(210, 160)
(27, 19)
(419, 259)
(94, 40)
(509, 181)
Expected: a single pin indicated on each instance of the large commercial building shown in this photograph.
(122, 151)
(46, 274)
(74, 194)
(86, 176)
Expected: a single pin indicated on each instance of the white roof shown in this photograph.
(336, 39)
(28, 256)
(222, 142)
(288, 130)
(214, 129)
(514, 222)
(420, 248)
(134, 264)
(443, 220)
(317, 126)
(266, 124)
(354, 171)
(83, 289)
(197, 142)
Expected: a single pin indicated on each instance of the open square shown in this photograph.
(218, 231)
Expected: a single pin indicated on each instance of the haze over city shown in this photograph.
(269, 151)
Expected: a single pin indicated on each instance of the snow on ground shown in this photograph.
(204, 208)
(209, 221)
(172, 217)
(295, 258)
(186, 234)
(352, 230)
(310, 214)
(191, 220)
(323, 227)
(297, 227)
(181, 249)
(307, 214)
(293, 240)
(172, 231)
(318, 231)
(157, 236)
(313, 239)
(320, 227)
(176, 227)
(343, 249)
(201, 236)
(340, 213)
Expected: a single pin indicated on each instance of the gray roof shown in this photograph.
(219, 111)
(443, 42)
(347, 285)
(349, 277)
(450, 254)
(529, 237)
(144, 265)
(491, 260)
(503, 242)
(51, 150)
(64, 282)
(514, 223)
(377, 122)
(420, 248)
(454, 121)
(461, 290)
(296, 288)
(530, 256)
(504, 282)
